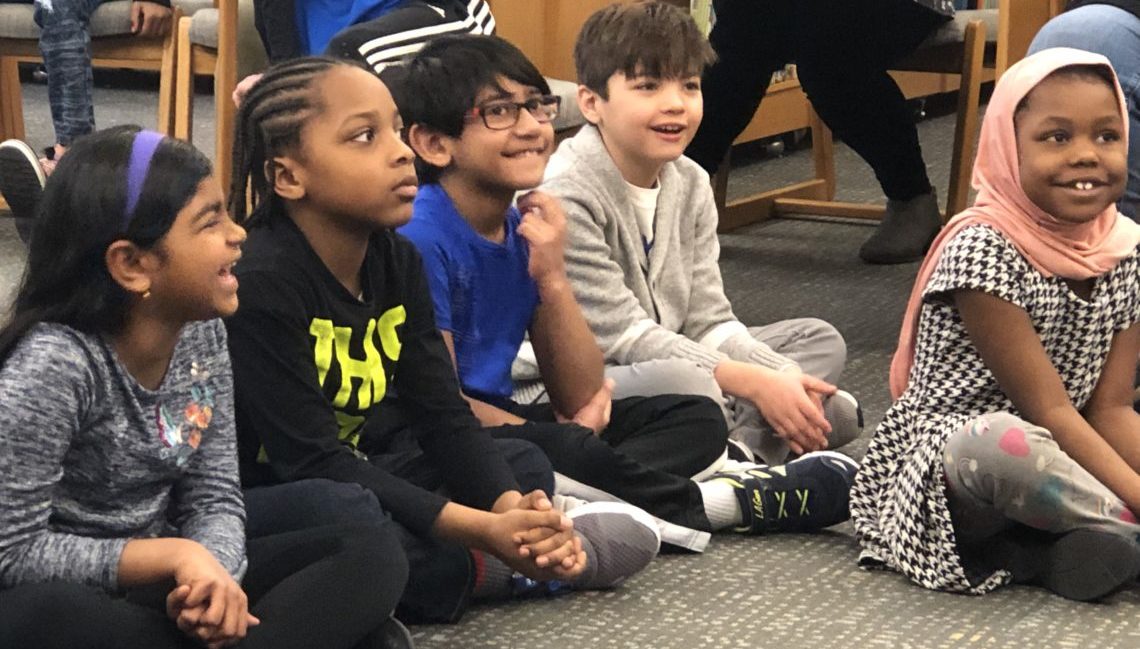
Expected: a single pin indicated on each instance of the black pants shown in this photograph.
(842, 50)
(326, 587)
(441, 573)
(646, 455)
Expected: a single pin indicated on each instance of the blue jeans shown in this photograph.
(1115, 34)
(65, 43)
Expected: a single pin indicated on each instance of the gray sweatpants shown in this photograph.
(816, 346)
(1001, 470)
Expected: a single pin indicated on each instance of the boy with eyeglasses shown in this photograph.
(479, 119)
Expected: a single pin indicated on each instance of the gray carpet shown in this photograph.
(749, 593)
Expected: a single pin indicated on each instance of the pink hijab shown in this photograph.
(1053, 247)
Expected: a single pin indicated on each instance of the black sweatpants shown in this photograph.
(646, 456)
(329, 587)
(441, 574)
(842, 50)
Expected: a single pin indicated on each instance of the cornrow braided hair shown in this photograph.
(268, 124)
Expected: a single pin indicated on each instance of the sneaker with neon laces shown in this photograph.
(843, 412)
(22, 181)
(619, 540)
(806, 494)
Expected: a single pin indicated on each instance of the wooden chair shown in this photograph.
(112, 46)
(977, 45)
(207, 45)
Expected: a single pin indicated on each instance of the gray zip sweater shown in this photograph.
(89, 459)
(669, 303)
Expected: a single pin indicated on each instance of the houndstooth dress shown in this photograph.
(898, 502)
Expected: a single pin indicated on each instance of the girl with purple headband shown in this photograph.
(121, 518)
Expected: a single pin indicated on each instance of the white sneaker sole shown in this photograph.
(671, 533)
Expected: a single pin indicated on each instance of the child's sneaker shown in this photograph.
(22, 179)
(843, 412)
(619, 539)
(806, 494)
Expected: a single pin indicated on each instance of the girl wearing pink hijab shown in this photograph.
(1012, 450)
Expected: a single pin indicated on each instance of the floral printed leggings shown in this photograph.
(1001, 470)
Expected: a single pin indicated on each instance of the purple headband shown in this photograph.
(145, 144)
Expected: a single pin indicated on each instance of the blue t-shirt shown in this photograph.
(482, 292)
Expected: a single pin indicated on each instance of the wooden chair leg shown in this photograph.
(183, 83)
(165, 124)
(11, 104)
(225, 80)
(969, 95)
(224, 131)
(822, 152)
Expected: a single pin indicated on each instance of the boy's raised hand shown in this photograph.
(543, 226)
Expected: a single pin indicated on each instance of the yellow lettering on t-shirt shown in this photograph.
(349, 426)
(386, 327)
(331, 341)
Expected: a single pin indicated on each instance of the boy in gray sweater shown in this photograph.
(642, 249)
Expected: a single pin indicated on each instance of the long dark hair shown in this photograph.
(81, 213)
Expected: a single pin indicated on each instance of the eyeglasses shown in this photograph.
(501, 115)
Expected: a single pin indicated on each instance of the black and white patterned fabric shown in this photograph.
(898, 502)
(396, 36)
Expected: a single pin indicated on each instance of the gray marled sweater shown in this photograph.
(89, 459)
(669, 303)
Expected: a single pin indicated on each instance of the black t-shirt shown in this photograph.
(1131, 6)
(313, 364)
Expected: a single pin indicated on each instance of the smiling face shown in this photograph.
(1073, 160)
(505, 160)
(353, 163)
(645, 121)
(194, 278)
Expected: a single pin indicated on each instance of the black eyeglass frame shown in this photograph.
(536, 106)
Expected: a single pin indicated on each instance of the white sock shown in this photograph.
(721, 505)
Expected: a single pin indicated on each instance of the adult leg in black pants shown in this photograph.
(645, 456)
(752, 41)
(328, 587)
(842, 50)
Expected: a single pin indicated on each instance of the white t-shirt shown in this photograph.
(644, 207)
